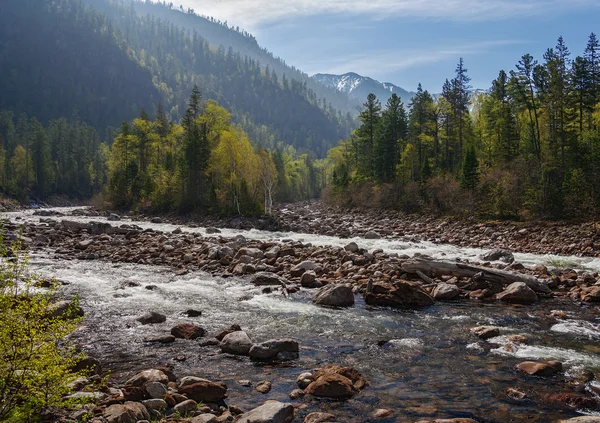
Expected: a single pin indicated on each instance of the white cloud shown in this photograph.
(254, 13)
(388, 61)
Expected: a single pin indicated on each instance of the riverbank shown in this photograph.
(124, 269)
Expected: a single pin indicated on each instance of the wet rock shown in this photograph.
(535, 368)
(334, 295)
(254, 253)
(113, 217)
(304, 380)
(515, 394)
(572, 400)
(155, 389)
(205, 418)
(186, 407)
(302, 267)
(204, 391)
(372, 235)
(152, 318)
(130, 412)
(352, 247)
(309, 280)
(296, 394)
(236, 343)
(485, 332)
(264, 387)
(232, 328)
(519, 293)
(193, 313)
(269, 412)
(243, 269)
(400, 294)
(188, 331)
(274, 348)
(156, 220)
(382, 413)
(244, 382)
(336, 382)
(267, 278)
(590, 294)
(152, 375)
(155, 404)
(582, 419)
(498, 254)
(319, 417)
(167, 339)
(445, 292)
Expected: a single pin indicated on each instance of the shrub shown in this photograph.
(35, 358)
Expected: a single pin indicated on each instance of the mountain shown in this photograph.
(105, 61)
(360, 87)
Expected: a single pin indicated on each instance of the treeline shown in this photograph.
(204, 163)
(528, 147)
(66, 157)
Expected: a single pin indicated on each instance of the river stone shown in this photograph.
(267, 278)
(83, 245)
(274, 349)
(499, 254)
(65, 309)
(186, 407)
(255, 253)
(518, 292)
(130, 412)
(382, 413)
(535, 368)
(155, 404)
(264, 386)
(269, 412)
(155, 389)
(309, 280)
(236, 343)
(152, 375)
(319, 417)
(225, 252)
(335, 295)
(243, 269)
(400, 294)
(332, 386)
(457, 420)
(590, 294)
(113, 217)
(296, 394)
(302, 267)
(445, 291)
(151, 318)
(205, 418)
(485, 332)
(304, 380)
(582, 419)
(212, 230)
(372, 235)
(352, 247)
(188, 331)
(273, 252)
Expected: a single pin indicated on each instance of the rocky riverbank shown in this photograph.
(334, 277)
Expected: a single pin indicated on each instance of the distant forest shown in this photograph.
(528, 147)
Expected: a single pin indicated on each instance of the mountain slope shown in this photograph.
(359, 87)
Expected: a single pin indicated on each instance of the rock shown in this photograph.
(400, 294)
(224, 252)
(582, 419)
(142, 378)
(113, 217)
(352, 247)
(167, 339)
(151, 318)
(267, 278)
(319, 417)
(212, 230)
(296, 394)
(243, 269)
(188, 331)
(155, 389)
(332, 386)
(232, 328)
(254, 253)
(457, 420)
(302, 267)
(498, 254)
(382, 413)
(274, 349)
(518, 292)
(193, 313)
(304, 380)
(205, 418)
(204, 391)
(445, 291)
(236, 343)
(485, 332)
(130, 412)
(155, 404)
(571, 400)
(515, 394)
(535, 368)
(335, 295)
(263, 387)
(309, 280)
(372, 235)
(186, 407)
(66, 309)
(269, 412)
(590, 294)
(83, 245)
(133, 393)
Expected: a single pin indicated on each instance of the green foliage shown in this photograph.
(35, 358)
(470, 170)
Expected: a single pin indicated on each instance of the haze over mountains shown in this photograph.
(358, 87)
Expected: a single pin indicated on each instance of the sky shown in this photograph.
(407, 42)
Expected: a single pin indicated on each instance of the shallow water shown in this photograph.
(432, 367)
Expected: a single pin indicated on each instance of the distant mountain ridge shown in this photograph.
(359, 86)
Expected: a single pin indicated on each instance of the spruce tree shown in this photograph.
(470, 170)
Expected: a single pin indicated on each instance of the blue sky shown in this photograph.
(409, 41)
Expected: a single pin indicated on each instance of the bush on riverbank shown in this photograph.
(35, 358)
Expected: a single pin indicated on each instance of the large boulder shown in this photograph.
(302, 267)
(188, 331)
(485, 332)
(535, 368)
(204, 391)
(267, 278)
(151, 318)
(269, 412)
(335, 295)
(400, 294)
(238, 343)
(152, 375)
(446, 292)
(336, 382)
(130, 412)
(518, 292)
(275, 348)
(498, 255)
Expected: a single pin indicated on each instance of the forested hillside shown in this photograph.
(108, 62)
(530, 146)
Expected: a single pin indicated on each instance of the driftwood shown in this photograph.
(434, 268)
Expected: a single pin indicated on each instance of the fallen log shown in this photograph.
(433, 268)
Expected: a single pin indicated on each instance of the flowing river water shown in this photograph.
(431, 367)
